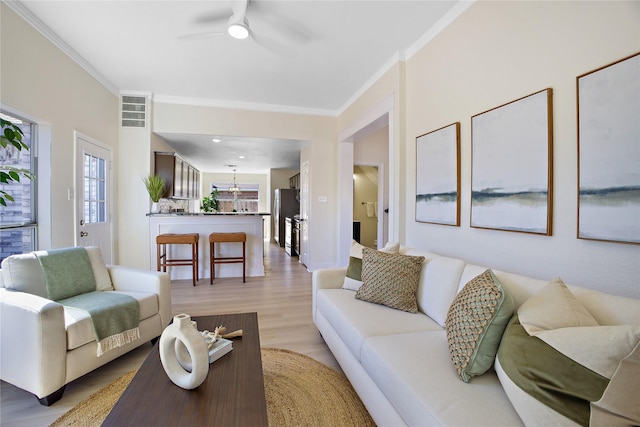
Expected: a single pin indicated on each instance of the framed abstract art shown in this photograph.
(512, 166)
(608, 103)
(438, 176)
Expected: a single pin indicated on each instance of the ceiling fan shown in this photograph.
(238, 28)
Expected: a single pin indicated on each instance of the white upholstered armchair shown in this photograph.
(46, 343)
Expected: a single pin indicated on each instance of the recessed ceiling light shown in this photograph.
(241, 156)
(216, 140)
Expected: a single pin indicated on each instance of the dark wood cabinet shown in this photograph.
(294, 181)
(182, 179)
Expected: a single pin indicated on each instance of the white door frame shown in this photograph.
(79, 140)
(305, 176)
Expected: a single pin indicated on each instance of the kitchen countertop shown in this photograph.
(210, 213)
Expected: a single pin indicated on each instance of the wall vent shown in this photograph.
(134, 111)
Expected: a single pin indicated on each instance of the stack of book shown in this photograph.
(219, 348)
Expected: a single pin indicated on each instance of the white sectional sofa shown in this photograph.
(399, 362)
(44, 345)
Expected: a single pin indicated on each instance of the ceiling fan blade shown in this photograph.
(293, 31)
(200, 36)
(272, 45)
(239, 8)
(216, 17)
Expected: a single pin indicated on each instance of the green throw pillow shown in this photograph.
(390, 279)
(353, 277)
(475, 323)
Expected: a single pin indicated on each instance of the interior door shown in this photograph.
(304, 214)
(93, 195)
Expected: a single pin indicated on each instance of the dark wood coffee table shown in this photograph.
(232, 394)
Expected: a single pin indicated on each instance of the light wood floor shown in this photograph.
(282, 300)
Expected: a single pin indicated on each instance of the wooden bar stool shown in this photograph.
(162, 240)
(226, 238)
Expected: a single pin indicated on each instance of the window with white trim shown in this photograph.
(18, 221)
(245, 200)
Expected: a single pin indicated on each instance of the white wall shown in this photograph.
(497, 52)
(43, 83)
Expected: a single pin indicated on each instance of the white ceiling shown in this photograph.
(314, 56)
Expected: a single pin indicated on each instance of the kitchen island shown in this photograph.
(204, 224)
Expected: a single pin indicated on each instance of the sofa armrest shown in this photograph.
(328, 278)
(130, 279)
(33, 342)
(325, 278)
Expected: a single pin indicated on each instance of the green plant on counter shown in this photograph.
(211, 203)
(11, 134)
(155, 186)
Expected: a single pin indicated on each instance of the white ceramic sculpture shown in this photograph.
(183, 353)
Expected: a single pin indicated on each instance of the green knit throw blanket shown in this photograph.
(114, 316)
(70, 281)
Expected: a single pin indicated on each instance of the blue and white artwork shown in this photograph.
(511, 166)
(438, 176)
(609, 152)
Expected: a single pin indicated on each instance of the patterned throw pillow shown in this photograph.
(353, 278)
(390, 279)
(475, 323)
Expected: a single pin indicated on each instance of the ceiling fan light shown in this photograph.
(238, 31)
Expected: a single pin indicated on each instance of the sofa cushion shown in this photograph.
(438, 284)
(351, 318)
(475, 323)
(353, 277)
(390, 279)
(415, 373)
(552, 308)
(22, 273)
(78, 322)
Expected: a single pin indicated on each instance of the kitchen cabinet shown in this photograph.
(181, 179)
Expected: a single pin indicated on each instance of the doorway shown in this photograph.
(351, 151)
(368, 221)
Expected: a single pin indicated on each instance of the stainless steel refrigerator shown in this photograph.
(285, 204)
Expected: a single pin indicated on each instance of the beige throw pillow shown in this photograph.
(390, 279)
(553, 307)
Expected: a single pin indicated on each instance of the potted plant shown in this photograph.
(156, 188)
(11, 134)
(211, 203)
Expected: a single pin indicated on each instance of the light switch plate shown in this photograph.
(322, 199)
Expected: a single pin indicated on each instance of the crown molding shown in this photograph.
(458, 9)
(22, 11)
(452, 14)
(395, 58)
(238, 105)
(461, 6)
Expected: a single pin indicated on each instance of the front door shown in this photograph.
(93, 195)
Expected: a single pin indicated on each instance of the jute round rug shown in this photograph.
(299, 390)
